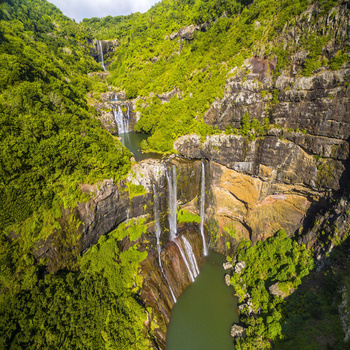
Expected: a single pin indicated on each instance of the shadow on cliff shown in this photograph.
(313, 309)
(328, 206)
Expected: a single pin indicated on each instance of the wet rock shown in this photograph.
(227, 280)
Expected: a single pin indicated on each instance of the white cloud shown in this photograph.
(79, 9)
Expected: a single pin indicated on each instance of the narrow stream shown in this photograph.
(203, 315)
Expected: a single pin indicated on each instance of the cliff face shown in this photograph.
(113, 203)
(281, 179)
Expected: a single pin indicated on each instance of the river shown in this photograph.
(203, 315)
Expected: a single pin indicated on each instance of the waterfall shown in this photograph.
(158, 232)
(191, 256)
(185, 261)
(171, 177)
(202, 211)
(126, 120)
(121, 121)
(188, 257)
(100, 54)
(157, 224)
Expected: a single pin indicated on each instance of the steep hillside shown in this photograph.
(252, 97)
(192, 48)
(50, 144)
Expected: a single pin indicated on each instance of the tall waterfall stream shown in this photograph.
(100, 54)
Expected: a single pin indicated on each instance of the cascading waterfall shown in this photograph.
(158, 232)
(157, 224)
(202, 211)
(191, 257)
(184, 258)
(171, 177)
(121, 121)
(100, 54)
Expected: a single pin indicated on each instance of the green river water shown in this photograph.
(203, 315)
(132, 141)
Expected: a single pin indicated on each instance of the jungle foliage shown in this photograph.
(95, 306)
(48, 140)
(49, 144)
(276, 260)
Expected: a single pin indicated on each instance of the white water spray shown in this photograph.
(157, 224)
(121, 120)
(100, 54)
(191, 257)
(158, 232)
(202, 211)
(172, 191)
(184, 258)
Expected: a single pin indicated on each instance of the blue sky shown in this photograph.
(79, 9)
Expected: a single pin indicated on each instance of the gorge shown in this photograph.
(136, 148)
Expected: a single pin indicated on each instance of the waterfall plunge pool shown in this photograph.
(132, 141)
(204, 313)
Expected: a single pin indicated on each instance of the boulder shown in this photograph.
(237, 331)
(227, 265)
(227, 280)
(187, 32)
(239, 267)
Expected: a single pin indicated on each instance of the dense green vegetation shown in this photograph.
(276, 260)
(94, 307)
(147, 62)
(311, 316)
(49, 144)
(185, 216)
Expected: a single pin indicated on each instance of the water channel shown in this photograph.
(203, 315)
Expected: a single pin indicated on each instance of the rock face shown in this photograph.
(186, 32)
(108, 46)
(261, 186)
